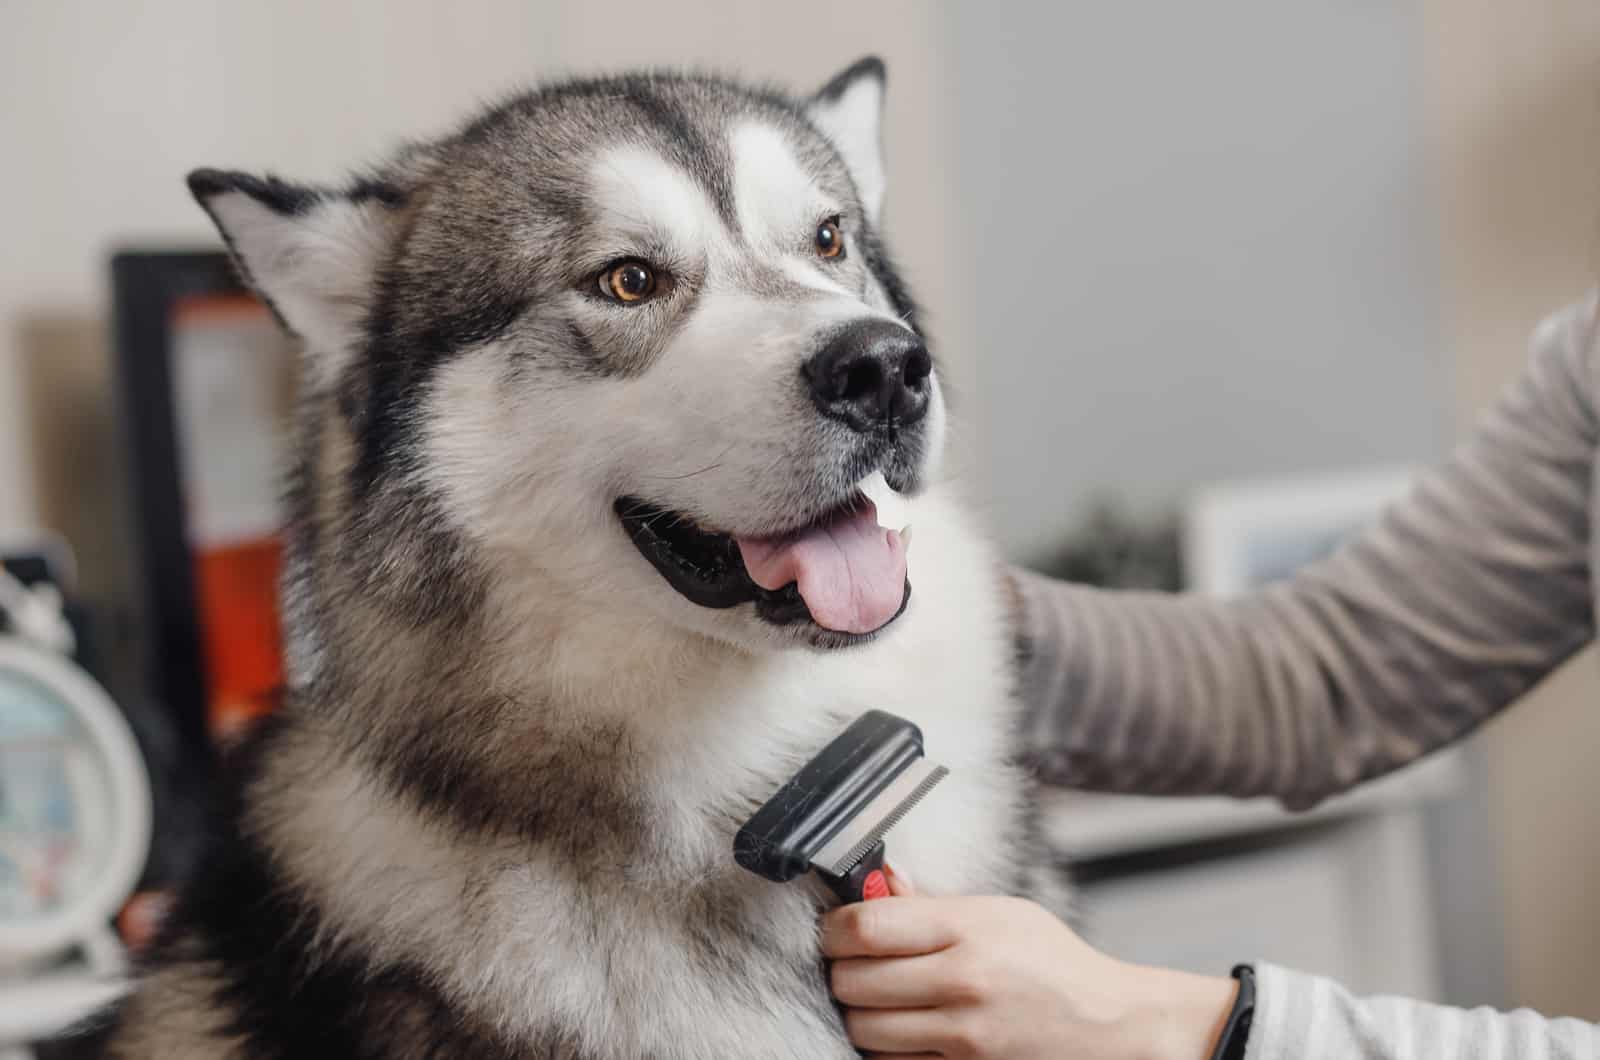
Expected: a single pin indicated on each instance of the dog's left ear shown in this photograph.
(849, 111)
(311, 253)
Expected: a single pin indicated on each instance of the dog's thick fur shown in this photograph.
(496, 817)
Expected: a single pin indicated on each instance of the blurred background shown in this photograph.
(1207, 280)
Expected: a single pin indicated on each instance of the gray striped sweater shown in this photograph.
(1460, 599)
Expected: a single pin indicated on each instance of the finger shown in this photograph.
(891, 982)
(142, 917)
(905, 1056)
(888, 927)
(900, 884)
(900, 1030)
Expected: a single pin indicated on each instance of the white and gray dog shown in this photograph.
(580, 571)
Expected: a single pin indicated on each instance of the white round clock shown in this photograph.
(74, 805)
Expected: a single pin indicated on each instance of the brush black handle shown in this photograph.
(782, 839)
(857, 885)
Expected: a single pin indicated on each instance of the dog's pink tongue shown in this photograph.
(850, 572)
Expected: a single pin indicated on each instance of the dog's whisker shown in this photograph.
(689, 474)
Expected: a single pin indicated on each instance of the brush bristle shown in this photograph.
(870, 839)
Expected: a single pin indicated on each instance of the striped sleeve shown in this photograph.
(1304, 1017)
(1457, 601)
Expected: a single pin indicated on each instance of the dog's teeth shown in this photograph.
(891, 507)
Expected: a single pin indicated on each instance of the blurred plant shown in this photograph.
(1116, 550)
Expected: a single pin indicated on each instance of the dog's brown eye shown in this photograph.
(629, 281)
(830, 241)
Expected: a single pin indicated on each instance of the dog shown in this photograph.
(580, 567)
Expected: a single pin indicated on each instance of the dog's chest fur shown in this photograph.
(632, 934)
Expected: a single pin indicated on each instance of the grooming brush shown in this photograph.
(832, 815)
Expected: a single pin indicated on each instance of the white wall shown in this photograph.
(104, 108)
(1201, 245)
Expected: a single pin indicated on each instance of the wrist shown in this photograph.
(1179, 1016)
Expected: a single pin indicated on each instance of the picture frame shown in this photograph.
(1240, 535)
(156, 295)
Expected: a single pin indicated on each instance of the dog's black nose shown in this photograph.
(872, 374)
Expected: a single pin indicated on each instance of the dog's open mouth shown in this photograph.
(844, 573)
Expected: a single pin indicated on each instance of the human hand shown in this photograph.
(982, 978)
(141, 918)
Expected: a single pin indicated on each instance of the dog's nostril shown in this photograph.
(918, 367)
(863, 377)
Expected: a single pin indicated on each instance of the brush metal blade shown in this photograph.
(853, 842)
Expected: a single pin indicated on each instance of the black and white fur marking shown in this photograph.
(495, 819)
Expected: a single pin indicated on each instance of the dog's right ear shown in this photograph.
(310, 253)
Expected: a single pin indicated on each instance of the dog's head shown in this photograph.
(633, 340)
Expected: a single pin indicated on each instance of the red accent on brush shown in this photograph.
(876, 885)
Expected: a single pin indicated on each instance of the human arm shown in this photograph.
(1460, 599)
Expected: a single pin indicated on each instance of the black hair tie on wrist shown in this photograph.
(1236, 1032)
